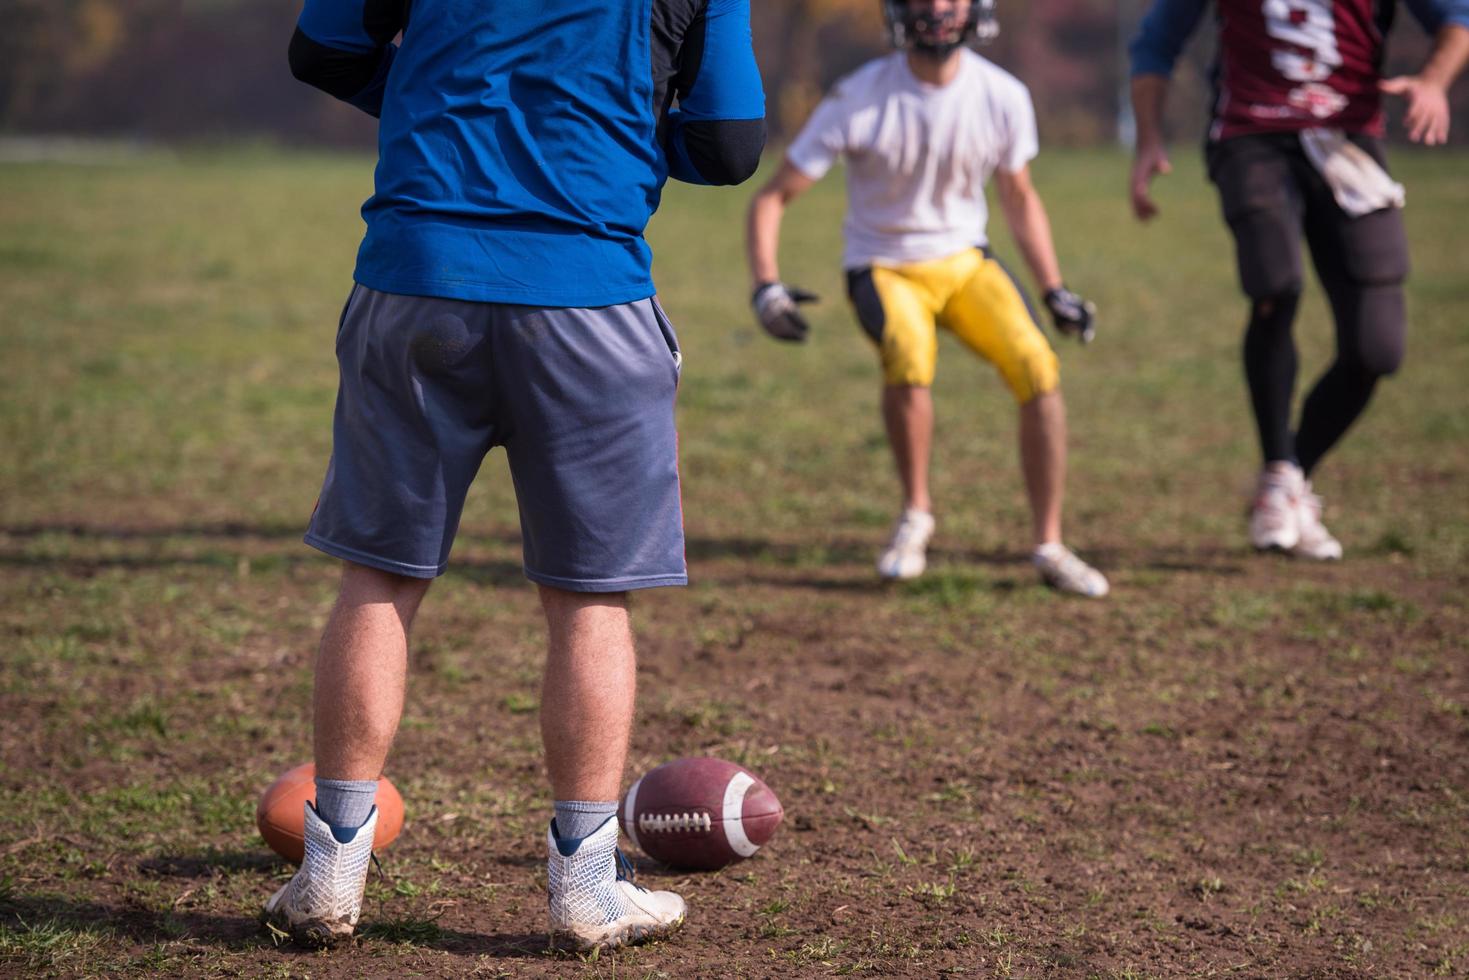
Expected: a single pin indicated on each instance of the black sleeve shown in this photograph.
(338, 73)
(724, 151)
(344, 48)
(718, 131)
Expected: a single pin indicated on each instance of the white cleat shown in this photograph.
(1274, 517)
(594, 903)
(321, 904)
(1315, 541)
(906, 555)
(1063, 571)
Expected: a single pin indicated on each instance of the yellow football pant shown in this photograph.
(901, 308)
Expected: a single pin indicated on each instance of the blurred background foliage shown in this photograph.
(171, 70)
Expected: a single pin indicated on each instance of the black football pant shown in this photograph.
(1271, 196)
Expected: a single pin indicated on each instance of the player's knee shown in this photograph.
(1373, 360)
(1384, 360)
(1275, 296)
(364, 583)
(907, 375)
(1035, 372)
(1266, 257)
(908, 361)
(1380, 335)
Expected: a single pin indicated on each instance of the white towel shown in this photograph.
(1358, 182)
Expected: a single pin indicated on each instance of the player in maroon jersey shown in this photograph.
(1294, 147)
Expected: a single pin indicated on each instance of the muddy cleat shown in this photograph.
(906, 555)
(320, 905)
(594, 903)
(1274, 517)
(1063, 571)
(1314, 541)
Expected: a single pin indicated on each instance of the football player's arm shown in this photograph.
(1160, 39)
(816, 148)
(1427, 92)
(717, 133)
(762, 225)
(1025, 213)
(776, 304)
(345, 48)
(1030, 226)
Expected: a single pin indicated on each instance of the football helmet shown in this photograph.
(917, 25)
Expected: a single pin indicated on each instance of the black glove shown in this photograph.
(777, 307)
(1073, 316)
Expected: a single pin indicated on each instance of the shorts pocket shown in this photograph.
(670, 336)
(346, 308)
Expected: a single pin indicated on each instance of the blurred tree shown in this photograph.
(173, 69)
(808, 44)
(48, 42)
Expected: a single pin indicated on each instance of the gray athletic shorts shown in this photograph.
(581, 399)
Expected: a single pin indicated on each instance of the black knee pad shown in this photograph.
(1364, 263)
(1267, 255)
(1377, 341)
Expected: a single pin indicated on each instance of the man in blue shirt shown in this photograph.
(503, 297)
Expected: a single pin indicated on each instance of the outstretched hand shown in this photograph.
(778, 308)
(1149, 162)
(1428, 108)
(1072, 315)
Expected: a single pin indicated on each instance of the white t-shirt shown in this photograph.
(918, 155)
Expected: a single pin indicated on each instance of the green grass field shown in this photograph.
(1234, 765)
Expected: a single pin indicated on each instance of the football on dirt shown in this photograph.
(699, 814)
(281, 814)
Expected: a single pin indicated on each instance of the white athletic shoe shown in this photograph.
(1062, 570)
(1314, 540)
(594, 903)
(320, 905)
(1275, 523)
(906, 555)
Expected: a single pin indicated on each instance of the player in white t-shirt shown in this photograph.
(922, 130)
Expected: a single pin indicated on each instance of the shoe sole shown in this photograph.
(313, 935)
(631, 936)
(901, 576)
(1282, 543)
(1308, 556)
(1064, 590)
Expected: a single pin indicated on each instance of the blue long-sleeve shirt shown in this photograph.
(523, 146)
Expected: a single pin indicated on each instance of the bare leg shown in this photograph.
(587, 694)
(586, 715)
(361, 670)
(1043, 458)
(908, 413)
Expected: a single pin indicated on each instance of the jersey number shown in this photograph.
(1309, 26)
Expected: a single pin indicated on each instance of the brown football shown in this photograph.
(281, 814)
(700, 814)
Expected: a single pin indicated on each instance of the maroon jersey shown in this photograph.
(1286, 65)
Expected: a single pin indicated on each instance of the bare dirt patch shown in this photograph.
(1237, 764)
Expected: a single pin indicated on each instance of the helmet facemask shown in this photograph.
(938, 35)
